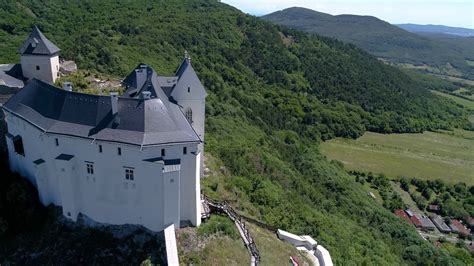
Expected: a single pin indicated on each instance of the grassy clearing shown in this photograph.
(429, 155)
(218, 249)
(464, 102)
(274, 251)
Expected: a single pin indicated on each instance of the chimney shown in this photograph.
(146, 95)
(67, 86)
(141, 75)
(114, 102)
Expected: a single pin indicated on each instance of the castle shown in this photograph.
(129, 159)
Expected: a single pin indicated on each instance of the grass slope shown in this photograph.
(461, 101)
(429, 155)
(384, 40)
(273, 94)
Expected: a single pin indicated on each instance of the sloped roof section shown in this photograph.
(38, 44)
(138, 121)
(187, 78)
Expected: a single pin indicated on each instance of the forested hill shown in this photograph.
(437, 29)
(274, 93)
(383, 39)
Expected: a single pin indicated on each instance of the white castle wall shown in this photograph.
(48, 67)
(158, 196)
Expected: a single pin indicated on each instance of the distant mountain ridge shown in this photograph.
(417, 28)
(384, 40)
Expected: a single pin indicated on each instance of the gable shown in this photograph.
(189, 86)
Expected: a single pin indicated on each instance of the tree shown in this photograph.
(405, 184)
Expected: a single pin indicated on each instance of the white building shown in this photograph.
(130, 159)
(39, 59)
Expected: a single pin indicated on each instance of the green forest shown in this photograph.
(443, 53)
(274, 94)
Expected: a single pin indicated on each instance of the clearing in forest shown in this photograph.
(430, 155)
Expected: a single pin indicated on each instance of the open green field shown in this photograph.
(467, 103)
(445, 155)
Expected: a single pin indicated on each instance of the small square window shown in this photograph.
(185, 150)
(90, 168)
(100, 148)
(37, 67)
(56, 141)
(163, 152)
(129, 174)
(119, 151)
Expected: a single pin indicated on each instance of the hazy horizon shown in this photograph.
(457, 13)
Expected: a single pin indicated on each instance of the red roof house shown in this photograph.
(458, 227)
(416, 221)
(402, 214)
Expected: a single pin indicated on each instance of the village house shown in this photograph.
(134, 158)
(458, 227)
(440, 224)
(420, 221)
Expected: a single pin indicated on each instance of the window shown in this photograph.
(90, 168)
(56, 141)
(189, 115)
(129, 174)
(189, 89)
(119, 151)
(185, 150)
(100, 148)
(37, 67)
(18, 145)
(163, 152)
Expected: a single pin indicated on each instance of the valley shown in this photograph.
(430, 155)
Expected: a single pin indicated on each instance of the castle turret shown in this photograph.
(191, 96)
(39, 57)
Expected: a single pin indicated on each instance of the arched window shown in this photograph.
(189, 115)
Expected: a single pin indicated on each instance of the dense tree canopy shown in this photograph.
(274, 93)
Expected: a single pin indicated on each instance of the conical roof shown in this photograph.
(38, 44)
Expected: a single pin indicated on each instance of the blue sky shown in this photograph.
(457, 13)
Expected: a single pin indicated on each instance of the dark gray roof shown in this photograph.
(38, 44)
(167, 162)
(140, 122)
(64, 157)
(144, 78)
(39, 161)
(11, 76)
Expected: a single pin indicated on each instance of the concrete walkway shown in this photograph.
(171, 247)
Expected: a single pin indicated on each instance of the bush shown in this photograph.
(219, 224)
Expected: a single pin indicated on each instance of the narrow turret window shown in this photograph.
(37, 67)
(189, 115)
(185, 150)
(189, 89)
(163, 152)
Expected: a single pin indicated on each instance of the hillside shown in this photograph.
(437, 29)
(274, 94)
(384, 40)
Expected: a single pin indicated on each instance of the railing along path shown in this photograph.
(224, 207)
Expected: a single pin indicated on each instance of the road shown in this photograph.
(436, 236)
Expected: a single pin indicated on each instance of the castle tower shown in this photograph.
(191, 96)
(39, 57)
